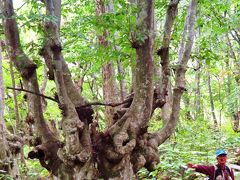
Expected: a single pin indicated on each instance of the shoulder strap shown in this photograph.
(215, 169)
(228, 170)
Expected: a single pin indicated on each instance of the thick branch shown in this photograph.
(26, 68)
(106, 104)
(163, 52)
(141, 107)
(75, 125)
(184, 55)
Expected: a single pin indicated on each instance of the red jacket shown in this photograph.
(210, 171)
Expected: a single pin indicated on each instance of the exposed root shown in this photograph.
(120, 139)
(110, 169)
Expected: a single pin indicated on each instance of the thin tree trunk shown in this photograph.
(16, 110)
(236, 36)
(235, 115)
(197, 100)
(3, 142)
(43, 87)
(211, 101)
(220, 100)
(1, 91)
(19, 125)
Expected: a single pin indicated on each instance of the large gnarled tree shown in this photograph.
(125, 146)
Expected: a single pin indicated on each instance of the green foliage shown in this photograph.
(232, 102)
(5, 176)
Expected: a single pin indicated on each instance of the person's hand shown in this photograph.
(190, 165)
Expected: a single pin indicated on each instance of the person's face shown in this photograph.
(222, 159)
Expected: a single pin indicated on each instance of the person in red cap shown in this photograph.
(218, 172)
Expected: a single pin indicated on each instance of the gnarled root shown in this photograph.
(120, 139)
(145, 154)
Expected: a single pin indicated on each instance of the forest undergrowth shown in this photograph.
(195, 142)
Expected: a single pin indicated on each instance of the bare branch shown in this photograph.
(38, 94)
(235, 37)
(105, 104)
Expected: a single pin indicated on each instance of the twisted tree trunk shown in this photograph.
(125, 146)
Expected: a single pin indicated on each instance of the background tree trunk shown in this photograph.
(211, 101)
(110, 92)
(236, 109)
(163, 89)
(197, 100)
(17, 117)
(123, 90)
(1, 91)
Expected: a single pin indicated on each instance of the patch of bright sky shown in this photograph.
(17, 3)
(30, 35)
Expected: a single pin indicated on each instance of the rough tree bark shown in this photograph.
(1, 90)
(4, 159)
(166, 109)
(76, 153)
